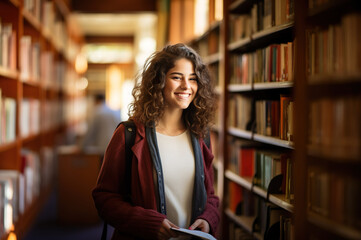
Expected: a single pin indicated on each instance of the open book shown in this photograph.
(195, 233)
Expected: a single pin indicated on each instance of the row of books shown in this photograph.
(261, 166)
(275, 63)
(263, 15)
(209, 45)
(334, 50)
(18, 189)
(266, 117)
(37, 66)
(7, 119)
(240, 110)
(7, 45)
(53, 113)
(275, 118)
(29, 60)
(332, 132)
(51, 25)
(30, 117)
(268, 220)
(335, 196)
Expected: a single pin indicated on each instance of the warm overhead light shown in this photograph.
(81, 64)
(109, 52)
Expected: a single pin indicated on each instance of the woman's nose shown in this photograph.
(185, 84)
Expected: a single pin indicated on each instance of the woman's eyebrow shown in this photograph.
(181, 73)
(178, 73)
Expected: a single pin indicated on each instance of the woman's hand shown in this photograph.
(202, 224)
(165, 232)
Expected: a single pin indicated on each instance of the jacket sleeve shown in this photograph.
(110, 194)
(211, 212)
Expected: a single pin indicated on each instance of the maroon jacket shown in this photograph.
(140, 219)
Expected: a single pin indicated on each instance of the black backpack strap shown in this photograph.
(129, 134)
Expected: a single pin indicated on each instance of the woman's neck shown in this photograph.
(171, 124)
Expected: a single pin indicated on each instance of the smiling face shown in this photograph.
(181, 85)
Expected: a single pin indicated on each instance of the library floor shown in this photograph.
(46, 227)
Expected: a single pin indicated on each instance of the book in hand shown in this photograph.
(194, 233)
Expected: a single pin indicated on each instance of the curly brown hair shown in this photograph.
(148, 105)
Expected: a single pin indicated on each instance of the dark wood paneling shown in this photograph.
(113, 6)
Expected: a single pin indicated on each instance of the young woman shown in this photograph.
(171, 171)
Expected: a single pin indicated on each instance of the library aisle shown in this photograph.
(48, 227)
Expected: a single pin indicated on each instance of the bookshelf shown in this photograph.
(39, 100)
(259, 132)
(327, 180)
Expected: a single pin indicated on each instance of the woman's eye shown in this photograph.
(194, 79)
(176, 78)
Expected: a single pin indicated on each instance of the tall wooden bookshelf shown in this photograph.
(327, 74)
(39, 101)
(258, 186)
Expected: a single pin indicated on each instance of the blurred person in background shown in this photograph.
(101, 126)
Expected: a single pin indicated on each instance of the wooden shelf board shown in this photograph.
(280, 200)
(334, 78)
(273, 141)
(31, 137)
(32, 20)
(334, 227)
(240, 133)
(239, 44)
(245, 222)
(240, 87)
(272, 85)
(31, 82)
(260, 192)
(325, 86)
(244, 182)
(273, 30)
(8, 73)
(7, 146)
(277, 199)
(334, 155)
(211, 59)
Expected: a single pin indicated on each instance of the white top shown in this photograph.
(177, 158)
